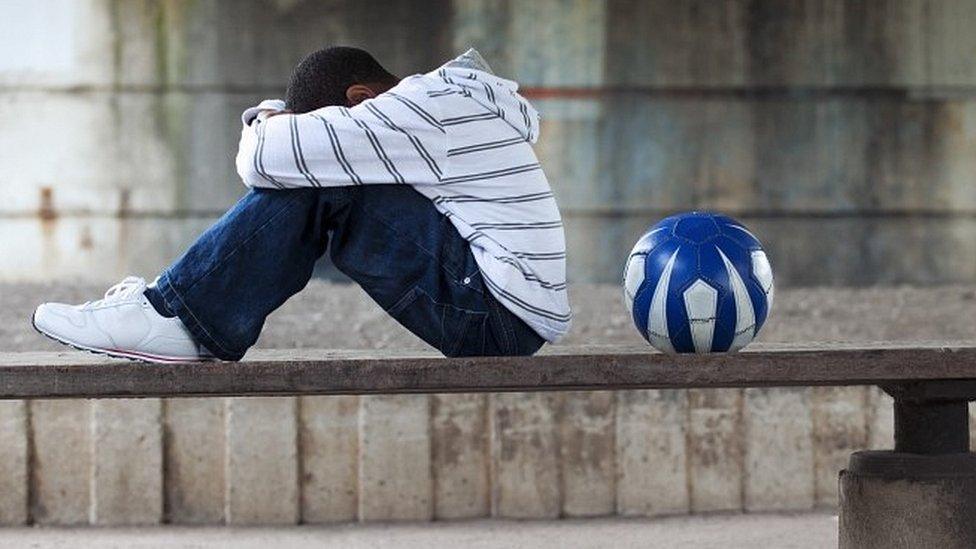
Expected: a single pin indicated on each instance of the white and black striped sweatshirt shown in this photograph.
(460, 136)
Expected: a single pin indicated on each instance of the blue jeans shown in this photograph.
(388, 238)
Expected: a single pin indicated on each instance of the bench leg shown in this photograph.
(921, 494)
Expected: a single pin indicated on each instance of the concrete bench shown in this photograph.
(921, 494)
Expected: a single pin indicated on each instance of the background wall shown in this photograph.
(842, 132)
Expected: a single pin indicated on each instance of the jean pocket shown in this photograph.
(471, 280)
(451, 330)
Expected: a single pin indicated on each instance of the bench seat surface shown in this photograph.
(73, 374)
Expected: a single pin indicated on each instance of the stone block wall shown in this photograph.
(290, 460)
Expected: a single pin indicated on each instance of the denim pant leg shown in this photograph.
(249, 262)
(411, 260)
(388, 238)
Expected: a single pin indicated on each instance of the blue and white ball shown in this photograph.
(698, 283)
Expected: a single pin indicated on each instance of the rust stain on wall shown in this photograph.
(46, 210)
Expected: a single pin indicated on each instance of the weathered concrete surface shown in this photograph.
(14, 467)
(972, 427)
(778, 461)
(715, 449)
(394, 456)
(330, 315)
(461, 456)
(170, 78)
(127, 464)
(329, 451)
(805, 252)
(195, 444)
(839, 428)
(262, 461)
(934, 509)
(525, 455)
(880, 419)
(587, 454)
(652, 465)
(832, 127)
(159, 86)
(61, 463)
(788, 531)
(899, 42)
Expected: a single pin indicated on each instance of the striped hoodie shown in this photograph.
(462, 137)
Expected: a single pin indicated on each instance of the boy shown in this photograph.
(425, 191)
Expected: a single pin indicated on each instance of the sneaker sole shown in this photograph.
(118, 353)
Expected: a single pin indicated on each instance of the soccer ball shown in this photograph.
(698, 283)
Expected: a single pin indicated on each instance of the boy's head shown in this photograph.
(336, 76)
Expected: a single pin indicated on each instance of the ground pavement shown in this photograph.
(331, 315)
(805, 531)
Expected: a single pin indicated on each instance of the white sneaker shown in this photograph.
(122, 324)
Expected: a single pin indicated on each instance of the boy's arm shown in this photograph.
(389, 139)
(264, 109)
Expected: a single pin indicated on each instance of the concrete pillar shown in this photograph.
(652, 473)
(13, 463)
(839, 428)
(893, 500)
(778, 450)
(715, 449)
(587, 456)
(460, 454)
(525, 455)
(61, 461)
(394, 458)
(127, 467)
(880, 417)
(195, 444)
(972, 426)
(262, 461)
(329, 449)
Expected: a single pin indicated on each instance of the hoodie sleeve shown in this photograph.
(392, 138)
(251, 113)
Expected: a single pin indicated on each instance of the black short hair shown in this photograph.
(322, 77)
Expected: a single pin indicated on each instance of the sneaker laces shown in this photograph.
(130, 287)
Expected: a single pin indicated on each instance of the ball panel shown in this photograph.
(642, 304)
(633, 278)
(744, 265)
(724, 323)
(760, 305)
(669, 222)
(652, 238)
(701, 304)
(684, 274)
(762, 272)
(655, 262)
(681, 340)
(745, 315)
(741, 235)
(713, 270)
(658, 333)
(696, 227)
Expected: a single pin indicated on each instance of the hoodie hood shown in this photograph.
(472, 73)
